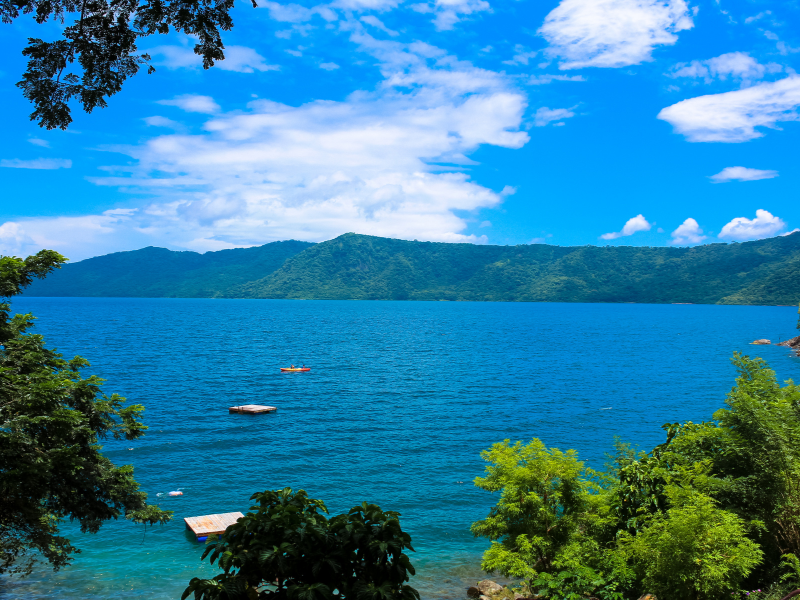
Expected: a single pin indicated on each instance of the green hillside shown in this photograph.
(161, 273)
(364, 267)
(371, 268)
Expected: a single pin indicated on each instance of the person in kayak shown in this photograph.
(293, 366)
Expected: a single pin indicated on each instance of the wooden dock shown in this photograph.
(251, 409)
(206, 525)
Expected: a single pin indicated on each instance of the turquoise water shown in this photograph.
(401, 399)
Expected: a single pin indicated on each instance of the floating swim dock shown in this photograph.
(251, 409)
(204, 526)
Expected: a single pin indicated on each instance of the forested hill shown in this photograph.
(161, 273)
(372, 268)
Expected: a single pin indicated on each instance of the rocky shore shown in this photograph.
(491, 590)
(793, 343)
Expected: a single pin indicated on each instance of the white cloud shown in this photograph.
(485, 224)
(36, 163)
(742, 174)
(240, 59)
(295, 13)
(15, 242)
(72, 236)
(545, 79)
(612, 33)
(734, 116)
(193, 103)
(545, 116)
(39, 142)
(372, 163)
(521, 56)
(742, 229)
(157, 121)
(760, 15)
(329, 66)
(737, 65)
(687, 233)
(377, 23)
(795, 230)
(449, 12)
(637, 223)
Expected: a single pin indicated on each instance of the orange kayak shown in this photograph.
(295, 370)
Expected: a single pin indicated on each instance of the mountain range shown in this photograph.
(361, 267)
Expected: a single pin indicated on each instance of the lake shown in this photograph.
(401, 399)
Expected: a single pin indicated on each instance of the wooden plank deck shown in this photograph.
(251, 409)
(208, 524)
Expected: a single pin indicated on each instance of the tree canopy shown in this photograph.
(287, 549)
(52, 420)
(98, 50)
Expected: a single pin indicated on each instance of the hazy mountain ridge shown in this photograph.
(371, 268)
(161, 273)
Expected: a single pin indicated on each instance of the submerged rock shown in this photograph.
(473, 592)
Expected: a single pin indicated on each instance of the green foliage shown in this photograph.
(102, 37)
(364, 267)
(51, 422)
(714, 508)
(543, 498)
(692, 550)
(286, 548)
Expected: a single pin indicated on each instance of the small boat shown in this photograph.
(295, 369)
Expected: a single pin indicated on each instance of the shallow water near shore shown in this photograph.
(401, 399)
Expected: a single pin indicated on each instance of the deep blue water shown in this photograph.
(401, 399)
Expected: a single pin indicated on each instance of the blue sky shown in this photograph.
(632, 122)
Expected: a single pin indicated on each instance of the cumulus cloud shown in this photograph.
(637, 223)
(742, 174)
(544, 116)
(36, 163)
(734, 116)
(372, 163)
(329, 66)
(237, 58)
(742, 229)
(612, 33)
(687, 234)
(737, 65)
(193, 103)
(72, 236)
(15, 242)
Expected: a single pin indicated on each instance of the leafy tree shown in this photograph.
(51, 422)
(545, 524)
(286, 548)
(98, 51)
(693, 550)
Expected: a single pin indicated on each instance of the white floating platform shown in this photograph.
(251, 409)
